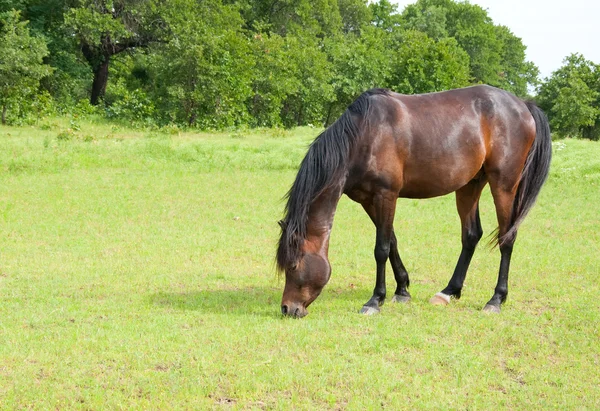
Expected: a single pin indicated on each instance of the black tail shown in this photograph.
(323, 166)
(534, 173)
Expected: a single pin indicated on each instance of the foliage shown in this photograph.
(204, 72)
(516, 74)
(571, 98)
(385, 15)
(21, 64)
(497, 56)
(306, 104)
(273, 80)
(359, 63)
(105, 28)
(423, 65)
(131, 105)
(272, 63)
(311, 18)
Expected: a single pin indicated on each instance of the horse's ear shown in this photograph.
(282, 224)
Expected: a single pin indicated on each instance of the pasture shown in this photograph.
(137, 272)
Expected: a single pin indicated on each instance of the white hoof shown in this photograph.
(440, 299)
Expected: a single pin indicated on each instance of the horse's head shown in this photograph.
(303, 249)
(303, 283)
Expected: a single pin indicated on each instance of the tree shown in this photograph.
(571, 98)
(71, 76)
(360, 62)
(316, 18)
(9, 5)
(312, 71)
(21, 66)
(273, 80)
(384, 15)
(105, 28)
(204, 72)
(431, 21)
(355, 14)
(517, 73)
(422, 65)
(496, 55)
(305, 27)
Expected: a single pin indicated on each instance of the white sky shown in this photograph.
(551, 29)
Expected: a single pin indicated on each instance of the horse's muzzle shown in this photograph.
(293, 310)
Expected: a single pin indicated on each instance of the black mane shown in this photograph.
(323, 166)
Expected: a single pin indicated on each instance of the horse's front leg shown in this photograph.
(401, 295)
(381, 212)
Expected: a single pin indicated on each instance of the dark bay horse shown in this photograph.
(387, 145)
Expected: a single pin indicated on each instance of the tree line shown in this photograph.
(264, 63)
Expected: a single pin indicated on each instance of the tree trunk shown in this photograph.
(100, 81)
(4, 114)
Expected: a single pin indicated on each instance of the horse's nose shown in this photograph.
(293, 310)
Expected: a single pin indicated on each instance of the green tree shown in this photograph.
(517, 74)
(360, 62)
(312, 71)
(315, 18)
(571, 98)
(431, 20)
(71, 77)
(355, 14)
(421, 64)
(496, 55)
(273, 80)
(298, 31)
(385, 15)
(468, 24)
(105, 28)
(204, 72)
(9, 5)
(21, 62)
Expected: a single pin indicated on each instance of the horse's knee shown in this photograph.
(472, 236)
(382, 252)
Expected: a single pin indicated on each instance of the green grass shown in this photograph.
(137, 272)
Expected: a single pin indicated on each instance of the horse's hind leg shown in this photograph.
(503, 200)
(467, 203)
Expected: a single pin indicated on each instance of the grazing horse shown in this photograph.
(388, 145)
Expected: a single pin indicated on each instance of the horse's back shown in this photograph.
(433, 144)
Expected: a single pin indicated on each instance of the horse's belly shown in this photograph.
(434, 181)
(424, 191)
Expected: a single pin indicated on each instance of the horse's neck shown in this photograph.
(320, 220)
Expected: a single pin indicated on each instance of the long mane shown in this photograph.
(323, 166)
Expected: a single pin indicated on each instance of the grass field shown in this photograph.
(137, 272)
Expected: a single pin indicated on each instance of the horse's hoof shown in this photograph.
(440, 299)
(366, 310)
(401, 298)
(489, 308)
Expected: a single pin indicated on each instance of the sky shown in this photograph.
(551, 29)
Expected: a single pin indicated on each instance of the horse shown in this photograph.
(388, 145)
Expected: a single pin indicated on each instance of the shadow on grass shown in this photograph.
(261, 301)
(253, 301)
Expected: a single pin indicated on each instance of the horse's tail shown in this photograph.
(535, 172)
(323, 167)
